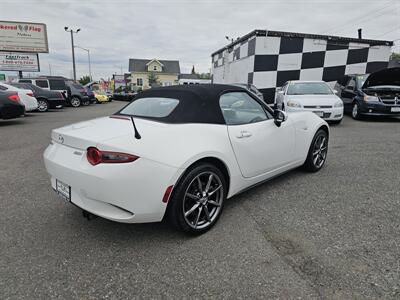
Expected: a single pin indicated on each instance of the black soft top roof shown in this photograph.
(197, 103)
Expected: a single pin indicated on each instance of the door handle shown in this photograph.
(243, 134)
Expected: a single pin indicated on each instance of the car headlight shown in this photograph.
(368, 98)
(339, 103)
(292, 103)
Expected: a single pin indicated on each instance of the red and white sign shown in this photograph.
(23, 37)
(15, 61)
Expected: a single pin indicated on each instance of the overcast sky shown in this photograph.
(186, 30)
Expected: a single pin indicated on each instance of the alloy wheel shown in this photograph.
(42, 106)
(320, 150)
(203, 200)
(75, 102)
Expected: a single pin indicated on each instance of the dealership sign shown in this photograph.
(14, 61)
(23, 37)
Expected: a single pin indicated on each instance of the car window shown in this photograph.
(240, 108)
(351, 85)
(42, 83)
(152, 107)
(57, 84)
(25, 80)
(308, 88)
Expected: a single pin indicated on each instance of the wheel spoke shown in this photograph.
(199, 184)
(194, 197)
(194, 207)
(315, 153)
(209, 183)
(315, 160)
(214, 203)
(214, 191)
(322, 143)
(207, 213)
(198, 216)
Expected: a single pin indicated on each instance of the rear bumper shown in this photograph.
(128, 193)
(56, 102)
(11, 111)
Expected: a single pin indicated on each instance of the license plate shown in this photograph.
(395, 109)
(64, 190)
(319, 113)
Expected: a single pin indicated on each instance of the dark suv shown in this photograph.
(74, 93)
(377, 94)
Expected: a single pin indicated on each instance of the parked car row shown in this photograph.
(376, 94)
(44, 93)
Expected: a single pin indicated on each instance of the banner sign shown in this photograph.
(23, 37)
(15, 61)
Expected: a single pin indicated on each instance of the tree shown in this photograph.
(193, 70)
(84, 80)
(153, 79)
(395, 56)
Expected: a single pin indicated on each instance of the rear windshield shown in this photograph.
(151, 107)
(309, 88)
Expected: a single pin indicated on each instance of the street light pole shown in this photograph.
(73, 48)
(88, 53)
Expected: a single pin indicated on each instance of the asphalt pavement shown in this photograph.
(333, 234)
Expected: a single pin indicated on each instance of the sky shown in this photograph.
(185, 30)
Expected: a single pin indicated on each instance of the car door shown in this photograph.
(259, 145)
(348, 94)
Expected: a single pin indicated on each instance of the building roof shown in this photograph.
(188, 76)
(140, 65)
(333, 38)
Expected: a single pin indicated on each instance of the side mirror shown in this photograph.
(280, 92)
(335, 91)
(279, 117)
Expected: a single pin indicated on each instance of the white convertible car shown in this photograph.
(180, 152)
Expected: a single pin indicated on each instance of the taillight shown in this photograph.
(14, 98)
(30, 94)
(96, 156)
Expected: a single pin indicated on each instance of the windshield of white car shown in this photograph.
(151, 107)
(309, 88)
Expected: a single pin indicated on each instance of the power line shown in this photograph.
(363, 16)
(395, 29)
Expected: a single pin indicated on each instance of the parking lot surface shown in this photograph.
(333, 234)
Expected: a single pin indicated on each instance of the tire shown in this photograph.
(355, 112)
(194, 211)
(75, 102)
(43, 105)
(318, 152)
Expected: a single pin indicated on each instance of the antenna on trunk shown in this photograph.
(137, 135)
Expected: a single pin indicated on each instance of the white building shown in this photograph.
(192, 79)
(268, 59)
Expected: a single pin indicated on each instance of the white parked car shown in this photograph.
(25, 96)
(180, 151)
(314, 96)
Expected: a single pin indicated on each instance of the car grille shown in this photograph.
(317, 106)
(326, 115)
(390, 101)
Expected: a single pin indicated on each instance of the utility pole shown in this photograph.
(90, 68)
(73, 48)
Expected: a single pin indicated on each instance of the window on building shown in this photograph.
(155, 68)
(139, 81)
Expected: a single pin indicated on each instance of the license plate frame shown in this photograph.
(395, 109)
(63, 190)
